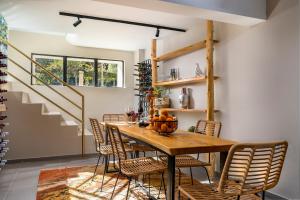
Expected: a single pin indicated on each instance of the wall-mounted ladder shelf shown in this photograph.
(207, 44)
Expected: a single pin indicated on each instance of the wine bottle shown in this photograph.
(2, 99)
(3, 81)
(3, 117)
(3, 73)
(3, 65)
(3, 90)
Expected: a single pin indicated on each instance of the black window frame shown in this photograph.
(65, 68)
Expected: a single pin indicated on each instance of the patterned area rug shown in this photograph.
(76, 183)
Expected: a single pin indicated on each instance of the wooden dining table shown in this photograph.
(180, 142)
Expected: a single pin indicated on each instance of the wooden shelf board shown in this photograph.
(184, 110)
(185, 50)
(182, 81)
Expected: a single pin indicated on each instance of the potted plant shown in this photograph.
(162, 99)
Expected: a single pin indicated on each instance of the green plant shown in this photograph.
(191, 129)
(160, 91)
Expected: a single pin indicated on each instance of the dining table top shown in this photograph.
(179, 142)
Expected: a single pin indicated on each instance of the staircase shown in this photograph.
(37, 132)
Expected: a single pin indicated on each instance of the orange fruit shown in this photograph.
(164, 112)
(156, 118)
(164, 128)
(162, 118)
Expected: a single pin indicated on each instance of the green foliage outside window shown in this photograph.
(52, 64)
(74, 66)
(107, 74)
(79, 71)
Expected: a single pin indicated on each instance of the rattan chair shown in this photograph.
(211, 128)
(132, 168)
(249, 170)
(135, 146)
(113, 117)
(102, 149)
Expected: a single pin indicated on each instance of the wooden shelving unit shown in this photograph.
(185, 81)
(208, 45)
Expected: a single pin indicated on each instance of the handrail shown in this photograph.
(36, 63)
(30, 73)
(43, 96)
(82, 108)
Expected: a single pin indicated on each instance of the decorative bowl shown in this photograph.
(165, 127)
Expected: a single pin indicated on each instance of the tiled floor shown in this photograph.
(18, 181)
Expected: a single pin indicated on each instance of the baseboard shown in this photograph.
(51, 158)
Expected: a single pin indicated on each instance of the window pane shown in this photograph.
(54, 64)
(110, 73)
(80, 71)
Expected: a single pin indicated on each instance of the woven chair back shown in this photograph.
(113, 117)
(116, 142)
(252, 168)
(211, 128)
(97, 133)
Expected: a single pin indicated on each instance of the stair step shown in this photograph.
(52, 113)
(69, 123)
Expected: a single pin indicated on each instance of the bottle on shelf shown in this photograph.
(184, 99)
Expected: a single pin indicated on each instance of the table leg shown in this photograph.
(171, 178)
(223, 157)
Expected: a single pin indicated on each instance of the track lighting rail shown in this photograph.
(80, 16)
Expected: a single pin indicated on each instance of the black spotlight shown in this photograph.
(77, 22)
(157, 32)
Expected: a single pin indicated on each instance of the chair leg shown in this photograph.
(96, 166)
(103, 160)
(104, 172)
(179, 176)
(164, 186)
(111, 197)
(128, 189)
(263, 195)
(149, 184)
(238, 197)
(207, 175)
(161, 182)
(192, 179)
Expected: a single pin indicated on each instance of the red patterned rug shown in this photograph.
(74, 183)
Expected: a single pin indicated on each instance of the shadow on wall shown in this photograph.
(271, 5)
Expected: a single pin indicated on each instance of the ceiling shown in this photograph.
(42, 16)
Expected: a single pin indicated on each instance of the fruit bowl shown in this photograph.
(165, 127)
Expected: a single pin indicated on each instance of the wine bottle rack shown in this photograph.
(3, 134)
(143, 75)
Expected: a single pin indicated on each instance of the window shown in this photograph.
(79, 71)
(54, 64)
(110, 73)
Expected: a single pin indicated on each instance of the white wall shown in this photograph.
(258, 92)
(98, 100)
